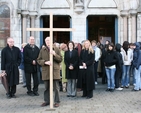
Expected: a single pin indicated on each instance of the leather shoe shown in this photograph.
(24, 86)
(36, 93)
(30, 94)
(44, 104)
(13, 96)
(56, 105)
(83, 96)
(8, 96)
(88, 97)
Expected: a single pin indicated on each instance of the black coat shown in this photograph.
(86, 76)
(30, 54)
(10, 60)
(110, 58)
(73, 60)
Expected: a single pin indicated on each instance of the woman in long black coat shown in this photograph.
(86, 77)
(71, 61)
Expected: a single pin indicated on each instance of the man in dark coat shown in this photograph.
(30, 53)
(10, 60)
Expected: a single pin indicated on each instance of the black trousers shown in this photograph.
(95, 70)
(12, 90)
(35, 82)
(87, 93)
(118, 74)
(104, 77)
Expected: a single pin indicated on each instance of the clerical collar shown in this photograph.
(32, 46)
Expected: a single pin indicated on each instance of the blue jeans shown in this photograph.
(110, 72)
(125, 75)
(138, 78)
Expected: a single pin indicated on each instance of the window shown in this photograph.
(4, 25)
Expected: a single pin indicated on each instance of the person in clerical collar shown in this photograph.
(10, 60)
(31, 66)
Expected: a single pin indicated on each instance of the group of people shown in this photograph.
(79, 63)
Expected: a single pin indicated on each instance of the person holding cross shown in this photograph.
(44, 60)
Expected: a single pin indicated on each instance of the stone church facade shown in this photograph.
(24, 14)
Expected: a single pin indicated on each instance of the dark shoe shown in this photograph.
(36, 93)
(68, 95)
(13, 96)
(30, 94)
(127, 87)
(44, 104)
(83, 95)
(108, 89)
(56, 105)
(111, 90)
(73, 96)
(24, 86)
(8, 96)
(88, 97)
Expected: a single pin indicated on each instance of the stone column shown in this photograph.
(32, 24)
(24, 26)
(33, 15)
(139, 27)
(133, 25)
(124, 14)
(139, 22)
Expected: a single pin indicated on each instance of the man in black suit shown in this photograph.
(30, 53)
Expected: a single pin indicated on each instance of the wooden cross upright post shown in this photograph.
(51, 30)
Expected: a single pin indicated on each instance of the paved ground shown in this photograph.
(125, 101)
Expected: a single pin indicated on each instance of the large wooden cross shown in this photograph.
(51, 30)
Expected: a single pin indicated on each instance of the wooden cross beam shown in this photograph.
(51, 30)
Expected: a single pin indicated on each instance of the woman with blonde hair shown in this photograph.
(86, 77)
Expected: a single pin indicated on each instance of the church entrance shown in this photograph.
(59, 21)
(102, 28)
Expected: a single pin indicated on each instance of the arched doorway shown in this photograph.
(102, 27)
(4, 24)
(59, 21)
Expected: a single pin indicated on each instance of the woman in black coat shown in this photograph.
(71, 61)
(110, 61)
(86, 72)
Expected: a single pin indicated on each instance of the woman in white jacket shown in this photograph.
(127, 56)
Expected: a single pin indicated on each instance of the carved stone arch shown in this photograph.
(34, 5)
(117, 3)
(9, 4)
(23, 4)
(49, 4)
(40, 2)
(101, 3)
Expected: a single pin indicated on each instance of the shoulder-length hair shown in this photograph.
(90, 49)
(72, 44)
